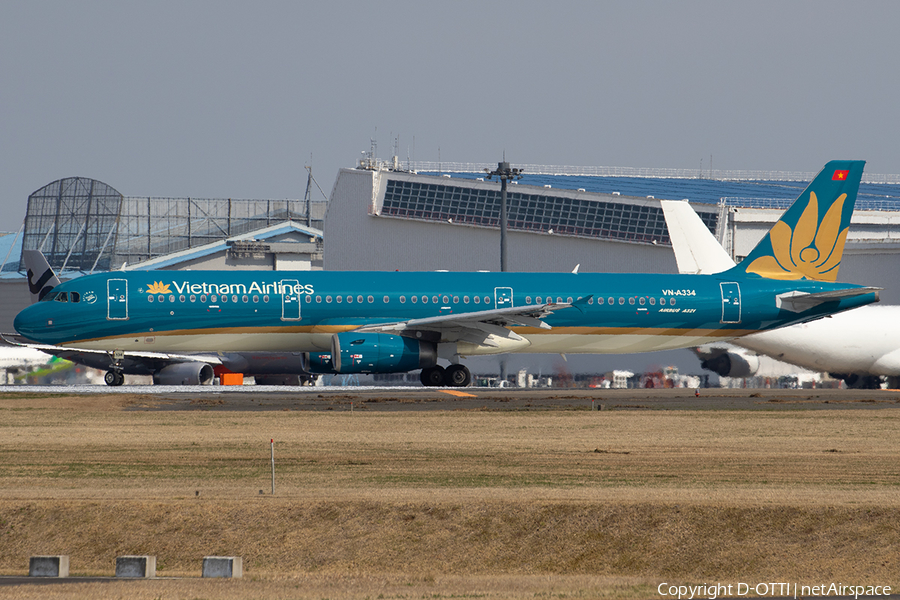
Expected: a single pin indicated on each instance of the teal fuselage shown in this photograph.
(202, 311)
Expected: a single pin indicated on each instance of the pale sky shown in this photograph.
(230, 99)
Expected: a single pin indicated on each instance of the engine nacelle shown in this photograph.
(731, 364)
(380, 353)
(188, 373)
(319, 363)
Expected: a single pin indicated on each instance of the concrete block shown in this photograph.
(48, 566)
(136, 566)
(223, 566)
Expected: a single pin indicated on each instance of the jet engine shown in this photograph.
(731, 364)
(187, 373)
(380, 353)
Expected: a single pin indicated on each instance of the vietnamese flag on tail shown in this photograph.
(840, 175)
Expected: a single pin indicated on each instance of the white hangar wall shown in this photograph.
(358, 236)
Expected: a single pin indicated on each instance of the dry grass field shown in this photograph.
(441, 504)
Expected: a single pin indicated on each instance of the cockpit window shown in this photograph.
(75, 296)
(50, 297)
(62, 297)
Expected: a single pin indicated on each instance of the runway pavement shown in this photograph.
(255, 398)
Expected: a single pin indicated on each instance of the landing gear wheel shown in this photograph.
(433, 376)
(458, 376)
(114, 378)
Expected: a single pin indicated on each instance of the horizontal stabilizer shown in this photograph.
(800, 301)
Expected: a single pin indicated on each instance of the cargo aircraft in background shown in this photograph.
(390, 322)
(859, 346)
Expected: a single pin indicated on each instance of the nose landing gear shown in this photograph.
(114, 378)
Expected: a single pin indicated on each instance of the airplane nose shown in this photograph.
(28, 324)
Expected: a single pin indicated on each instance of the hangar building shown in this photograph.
(380, 218)
(83, 225)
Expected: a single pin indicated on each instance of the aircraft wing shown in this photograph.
(484, 328)
(102, 359)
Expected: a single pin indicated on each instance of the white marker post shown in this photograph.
(273, 466)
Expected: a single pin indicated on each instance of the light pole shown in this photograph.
(505, 174)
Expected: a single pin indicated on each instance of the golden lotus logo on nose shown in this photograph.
(158, 288)
(812, 249)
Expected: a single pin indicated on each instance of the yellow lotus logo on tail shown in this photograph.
(812, 250)
(158, 288)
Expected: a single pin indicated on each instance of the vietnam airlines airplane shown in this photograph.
(388, 322)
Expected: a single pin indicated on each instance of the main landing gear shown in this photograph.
(452, 376)
(114, 378)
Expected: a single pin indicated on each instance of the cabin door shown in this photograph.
(290, 300)
(117, 299)
(731, 302)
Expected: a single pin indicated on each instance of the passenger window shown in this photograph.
(181, 298)
(224, 299)
(465, 299)
(256, 299)
(402, 299)
(359, 299)
(455, 299)
(424, 299)
(599, 300)
(414, 299)
(233, 298)
(318, 299)
(339, 299)
(642, 300)
(477, 299)
(671, 301)
(213, 298)
(386, 299)
(371, 299)
(621, 300)
(559, 299)
(434, 299)
(631, 301)
(349, 299)
(193, 298)
(527, 299)
(487, 300)
(611, 300)
(569, 299)
(652, 301)
(203, 298)
(540, 300)
(150, 298)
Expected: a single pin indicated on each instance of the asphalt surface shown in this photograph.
(262, 398)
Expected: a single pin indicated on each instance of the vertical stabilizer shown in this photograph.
(41, 278)
(808, 241)
(697, 250)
